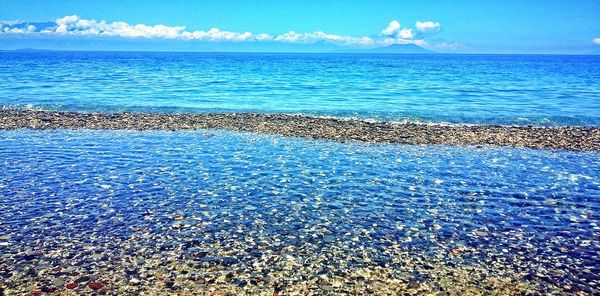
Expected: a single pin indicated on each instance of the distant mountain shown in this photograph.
(401, 48)
(394, 48)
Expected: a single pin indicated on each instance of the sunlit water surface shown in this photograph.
(97, 202)
(498, 89)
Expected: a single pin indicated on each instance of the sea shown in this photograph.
(474, 89)
(190, 211)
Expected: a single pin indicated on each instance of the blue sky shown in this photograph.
(518, 26)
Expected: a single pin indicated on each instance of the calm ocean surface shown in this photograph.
(185, 211)
(500, 89)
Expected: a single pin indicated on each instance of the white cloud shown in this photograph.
(391, 29)
(406, 34)
(67, 19)
(444, 46)
(74, 25)
(290, 36)
(394, 30)
(293, 37)
(389, 41)
(215, 34)
(596, 40)
(427, 26)
(263, 37)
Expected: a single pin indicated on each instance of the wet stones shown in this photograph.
(82, 279)
(71, 285)
(228, 261)
(46, 289)
(32, 255)
(566, 137)
(95, 286)
(195, 253)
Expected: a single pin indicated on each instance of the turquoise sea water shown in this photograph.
(128, 208)
(115, 193)
(502, 89)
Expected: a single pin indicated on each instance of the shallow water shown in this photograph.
(498, 89)
(194, 211)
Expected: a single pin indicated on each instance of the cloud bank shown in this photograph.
(427, 26)
(74, 25)
(596, 40)
(394, 33)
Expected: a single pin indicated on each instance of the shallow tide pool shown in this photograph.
(216, 212)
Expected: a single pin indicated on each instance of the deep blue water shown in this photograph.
(502, 89)
(535, 211)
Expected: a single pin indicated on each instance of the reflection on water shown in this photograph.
(502, 89)
(223, 211)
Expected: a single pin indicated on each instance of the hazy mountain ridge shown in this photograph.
(394, 48)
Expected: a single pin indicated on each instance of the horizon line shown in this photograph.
(294, 52)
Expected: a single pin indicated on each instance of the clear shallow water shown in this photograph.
(277, 212)
(499, 89)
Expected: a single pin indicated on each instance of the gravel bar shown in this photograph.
(575, 138)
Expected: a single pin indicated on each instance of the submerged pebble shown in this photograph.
(212, 216)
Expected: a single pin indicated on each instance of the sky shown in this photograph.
(458, 26)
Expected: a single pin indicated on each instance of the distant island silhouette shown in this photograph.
(394, 48)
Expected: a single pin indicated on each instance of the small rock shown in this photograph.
(327, 288)
(240, 283)
(58, 282)
(179, 218)
(328, 238)
(95, 286)
(82, 279)
(456, 252)
(227, 261)
(72, 285)
(47, 289)
(169, 284)
(32, 255)
(134, 281)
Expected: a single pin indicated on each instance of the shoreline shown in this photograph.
(573, 138)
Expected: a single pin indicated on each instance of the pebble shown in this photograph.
(95, 285)
(58, 282)
(328, 238)
(82, 279)
(32, 255)
(71, 285)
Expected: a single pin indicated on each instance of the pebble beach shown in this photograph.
(566, 138)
